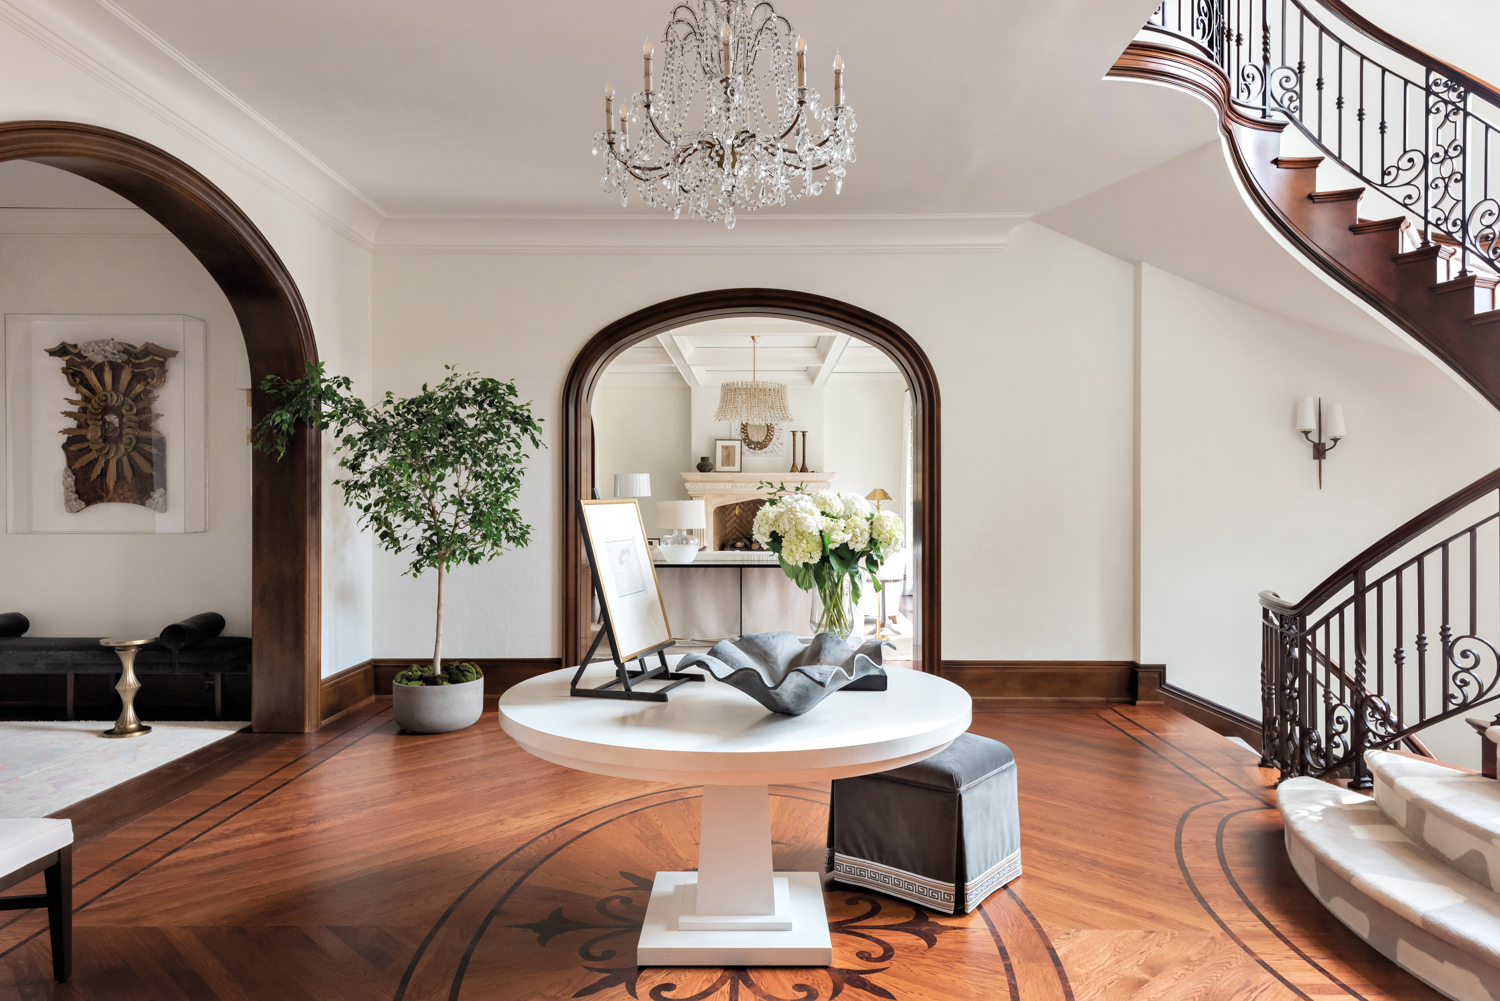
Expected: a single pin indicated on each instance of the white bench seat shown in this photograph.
(29, 846)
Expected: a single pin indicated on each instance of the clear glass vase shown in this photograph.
(833, 610)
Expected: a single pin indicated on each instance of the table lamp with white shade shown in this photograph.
(632, 484)
(680, 545)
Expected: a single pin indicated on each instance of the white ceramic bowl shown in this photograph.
(680, 554)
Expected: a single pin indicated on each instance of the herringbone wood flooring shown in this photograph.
(359, 863)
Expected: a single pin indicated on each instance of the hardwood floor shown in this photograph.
(358, 863)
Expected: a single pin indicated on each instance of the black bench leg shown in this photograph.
(59, 881)
(219, 695)
(71, 678)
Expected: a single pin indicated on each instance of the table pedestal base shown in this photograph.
(736, 941)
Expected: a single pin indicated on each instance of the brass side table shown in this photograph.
(129, 724)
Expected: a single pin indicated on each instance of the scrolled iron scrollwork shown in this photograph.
(1286, 89)
(1465, 655)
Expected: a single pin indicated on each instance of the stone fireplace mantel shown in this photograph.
(717, 489)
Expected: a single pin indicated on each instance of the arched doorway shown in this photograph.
(603, 347)
(279, 339)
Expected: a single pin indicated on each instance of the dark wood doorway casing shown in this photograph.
(285, 520)
(925, 535)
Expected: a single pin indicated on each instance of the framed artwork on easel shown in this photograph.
(633, 615)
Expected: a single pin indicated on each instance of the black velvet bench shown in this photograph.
(188, 647)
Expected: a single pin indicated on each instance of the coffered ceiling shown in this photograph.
(715, 351)
(455, 107)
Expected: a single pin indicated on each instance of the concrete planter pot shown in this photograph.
(438, 708)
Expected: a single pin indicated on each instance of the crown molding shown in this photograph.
(966, 233)
(114, 48)
(79, 222)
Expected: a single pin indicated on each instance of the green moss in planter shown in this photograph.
(453, 674)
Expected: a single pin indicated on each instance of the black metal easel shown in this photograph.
(622, 687)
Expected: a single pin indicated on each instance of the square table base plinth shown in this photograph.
(807, 943)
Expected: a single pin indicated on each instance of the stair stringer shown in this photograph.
(1404, 287)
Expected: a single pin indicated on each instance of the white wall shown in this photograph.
(319, 228)
(136, 584)
(1229, 499)
(862, 421)
(1033, 352)
(640, 429)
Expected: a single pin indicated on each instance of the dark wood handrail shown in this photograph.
(1344, 575)
(1444, 69)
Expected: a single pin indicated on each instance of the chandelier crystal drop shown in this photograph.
(764, 138)
(753, 402)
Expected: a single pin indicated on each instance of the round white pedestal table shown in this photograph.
(734, 911)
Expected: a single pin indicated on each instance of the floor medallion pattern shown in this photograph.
(580, 892)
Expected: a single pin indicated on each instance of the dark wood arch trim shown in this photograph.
(285, 524)
(603, 347)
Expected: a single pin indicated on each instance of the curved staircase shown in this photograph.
(1379, 165)
(1411, 871)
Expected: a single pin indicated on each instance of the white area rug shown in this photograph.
(47, 765)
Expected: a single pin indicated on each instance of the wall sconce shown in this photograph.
(1310, 422)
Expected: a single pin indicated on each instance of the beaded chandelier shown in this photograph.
(764, 137)
(753, 402)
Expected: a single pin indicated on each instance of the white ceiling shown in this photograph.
(715, 351)
(455, 107)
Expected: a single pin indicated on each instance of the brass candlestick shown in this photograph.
(129, 724)
(793, 435)
(804, 453)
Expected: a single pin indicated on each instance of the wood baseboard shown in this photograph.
(1219, 719)
(346, 690)
(1043, 682)
(354, 686)
(994, 683)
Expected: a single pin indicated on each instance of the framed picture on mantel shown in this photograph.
(727, 455)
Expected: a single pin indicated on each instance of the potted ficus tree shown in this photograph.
(434, 475)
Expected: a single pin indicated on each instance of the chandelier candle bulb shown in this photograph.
(724, 34)
(838, 80)
(609, 108)
(801, 62)
(646, 51)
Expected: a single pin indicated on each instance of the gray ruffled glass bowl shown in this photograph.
(788, 676)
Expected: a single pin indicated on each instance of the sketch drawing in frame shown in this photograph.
(727, 455)
(634, 616)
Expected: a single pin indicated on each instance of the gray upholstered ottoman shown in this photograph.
(944, 832)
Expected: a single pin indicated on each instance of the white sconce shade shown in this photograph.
(686, 514)
(632, 484)
(1307, 414)
(1336, 428)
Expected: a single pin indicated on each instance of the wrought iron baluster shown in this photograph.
(1445, 632)
(1359, 775)
(1398, 656)
(1422, 639)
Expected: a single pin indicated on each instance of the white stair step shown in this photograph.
(1439, 926)
(1452, 814)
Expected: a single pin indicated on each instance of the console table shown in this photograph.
(735, 911)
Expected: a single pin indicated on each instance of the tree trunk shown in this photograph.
(437, 643)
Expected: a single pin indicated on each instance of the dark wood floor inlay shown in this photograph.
(360, 863)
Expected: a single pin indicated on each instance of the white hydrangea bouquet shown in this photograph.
(824, 541)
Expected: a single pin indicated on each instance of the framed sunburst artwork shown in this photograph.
(106, 423)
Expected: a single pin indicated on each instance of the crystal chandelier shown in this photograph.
(764, 137)
(753, 402)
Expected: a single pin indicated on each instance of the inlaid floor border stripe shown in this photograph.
(1010, 971)
(105, 892)
(1057, 964)
(421, 949)
(1244, 898)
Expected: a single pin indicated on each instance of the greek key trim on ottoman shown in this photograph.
(981, 886)
(896, 882)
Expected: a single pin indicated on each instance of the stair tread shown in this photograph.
(1345, 832)
(1453, 815)
(1297, 162)
(1488, 316)
(1431, 252)
(1380, 225)
(1468, 281)
(1341, 195)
